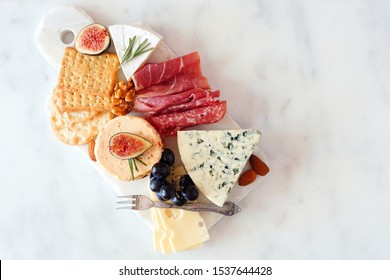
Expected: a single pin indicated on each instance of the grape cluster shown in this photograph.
(166, 189)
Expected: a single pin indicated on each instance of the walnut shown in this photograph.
(122, 99)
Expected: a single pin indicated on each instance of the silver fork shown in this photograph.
(141, 202)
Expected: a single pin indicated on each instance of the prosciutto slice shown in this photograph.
(189, 105)
(169, 124)
(152, 74)
(186, 80)
(156, 104)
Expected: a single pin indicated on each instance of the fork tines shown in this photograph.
(127, 196)
(132, 202)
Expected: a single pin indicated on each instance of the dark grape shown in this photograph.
(185, 181)
(168, 157)
(155, 184)
(167, 191)
(179, 199)
(190, 192)
(161, 170)
(159, 197)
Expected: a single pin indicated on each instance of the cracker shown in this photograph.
(88, 74)
(82, 98)
(77, 133)
(67, 100)
(78, 116)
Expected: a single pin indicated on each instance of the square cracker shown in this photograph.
(68, 101)
(88, 74)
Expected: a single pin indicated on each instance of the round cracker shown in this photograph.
(78, 133)
(78, 116)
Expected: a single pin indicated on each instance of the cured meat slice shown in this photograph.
(156, 104)
(169, 124)
(152, 74)
(167, 132)
(183, 81)
(190, 105)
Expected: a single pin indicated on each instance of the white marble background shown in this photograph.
(313, 76)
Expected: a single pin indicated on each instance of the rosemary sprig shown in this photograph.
(133, 164)
(129, 54)
(131, 167)
(138, 158)
(129, 49)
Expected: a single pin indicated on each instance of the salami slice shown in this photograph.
(168, 132)
(169, 124)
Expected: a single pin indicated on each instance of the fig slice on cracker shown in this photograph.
(148, 152)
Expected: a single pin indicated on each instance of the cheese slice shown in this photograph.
(160, 235)
(120, 35)
(177, 230)
(214, 159)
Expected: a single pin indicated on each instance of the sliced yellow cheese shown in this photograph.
(177, 230)
(160, 237)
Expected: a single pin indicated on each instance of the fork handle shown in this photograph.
(228, 208)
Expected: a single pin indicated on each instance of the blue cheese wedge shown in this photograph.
(215, 158)
(121, 34)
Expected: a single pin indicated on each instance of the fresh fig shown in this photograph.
(93, 39)
(125, 145)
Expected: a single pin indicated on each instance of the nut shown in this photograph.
(122, 99)
(258, 165)
(91, 150)
(247, 177)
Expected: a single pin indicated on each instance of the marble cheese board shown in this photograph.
(141, 186)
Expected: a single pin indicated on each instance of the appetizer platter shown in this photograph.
(149, 122)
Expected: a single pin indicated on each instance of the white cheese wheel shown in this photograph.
(162, 52)
(121, 34)
(57, 30)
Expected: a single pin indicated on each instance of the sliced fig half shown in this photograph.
(92, 39)
(125, 145)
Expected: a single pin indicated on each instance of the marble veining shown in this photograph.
(312, 76)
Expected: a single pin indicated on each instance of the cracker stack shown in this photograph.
(83, 96)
